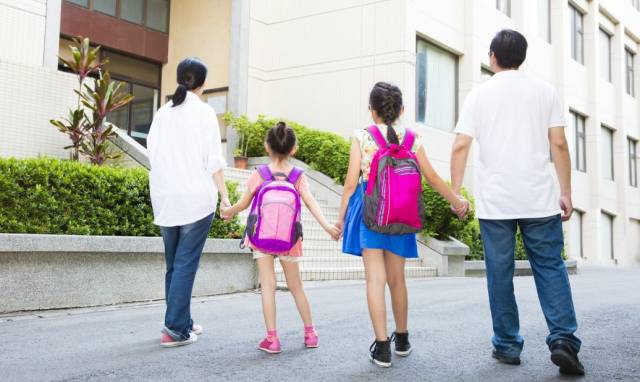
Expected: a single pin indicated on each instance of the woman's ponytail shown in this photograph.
(179, 95)
(191, 75)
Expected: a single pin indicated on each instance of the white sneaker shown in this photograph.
(197, 329)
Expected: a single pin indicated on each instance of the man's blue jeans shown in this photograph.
(182, 250)
(543, 242)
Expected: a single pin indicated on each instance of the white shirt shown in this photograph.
(509, 116)
(184, 151)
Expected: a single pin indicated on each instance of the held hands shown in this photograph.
(334, 231)
(225, 209)
(461, 208)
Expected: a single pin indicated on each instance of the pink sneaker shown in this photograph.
(270, 345)
(167, 341)
(310, 337)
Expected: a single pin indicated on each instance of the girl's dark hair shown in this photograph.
(386, 100)
(281, 139)
(191, 75)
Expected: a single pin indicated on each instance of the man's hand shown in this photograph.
(566, 206)
(461, 208)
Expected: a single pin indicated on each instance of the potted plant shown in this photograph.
(240, 159)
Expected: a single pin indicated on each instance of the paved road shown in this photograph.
(449, 324)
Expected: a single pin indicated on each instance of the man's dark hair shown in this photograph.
(510, 48)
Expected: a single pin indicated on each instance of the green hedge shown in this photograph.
(63, 197)
(323, 151)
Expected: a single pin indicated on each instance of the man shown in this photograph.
(516, 121)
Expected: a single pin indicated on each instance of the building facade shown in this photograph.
(315, 61)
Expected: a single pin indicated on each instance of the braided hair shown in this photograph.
(386, 100)
(281, 139)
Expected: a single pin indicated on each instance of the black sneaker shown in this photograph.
(403, 347)
(505, 359)
(381, 353)
(564, 355)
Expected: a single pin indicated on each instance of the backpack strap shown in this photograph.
(377, 136)
(409, 139)
(265, 172)
(295, 175)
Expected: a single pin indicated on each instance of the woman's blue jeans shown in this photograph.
(543, 241)
(182, 250)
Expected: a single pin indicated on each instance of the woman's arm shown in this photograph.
(315, 210)
(218, 178)
(351, 181)
(459, 205)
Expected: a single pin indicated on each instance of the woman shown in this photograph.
(186, 175)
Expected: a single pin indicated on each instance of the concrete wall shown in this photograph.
(32, 95)
(200, 28)
(51, 271)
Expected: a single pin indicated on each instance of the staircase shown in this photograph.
(322, 257)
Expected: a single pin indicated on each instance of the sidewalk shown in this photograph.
(449, 325)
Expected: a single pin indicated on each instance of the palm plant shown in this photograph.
(104, 97)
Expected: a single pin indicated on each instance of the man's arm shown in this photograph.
(459, 156)
(562, 162)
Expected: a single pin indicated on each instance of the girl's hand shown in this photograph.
(333, 231)
(461, 207)
(225, 212)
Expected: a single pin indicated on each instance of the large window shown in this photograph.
(606, 153)
(630, 75)
(576, 227)
(605, 55)
(151, 13)
(504, 6)
(544, 19)
(606, 235)
(580, 160)
(633, 162)
(577, 34)
(217, 99)
(436, 86)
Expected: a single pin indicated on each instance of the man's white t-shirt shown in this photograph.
(184, 152)
(509, 116)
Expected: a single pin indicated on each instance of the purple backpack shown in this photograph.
(393, 202)
(273, 225)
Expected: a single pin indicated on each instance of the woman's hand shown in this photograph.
(333, 231)
(461, 207)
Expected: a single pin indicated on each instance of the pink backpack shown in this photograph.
(273, 225)
(393, 202)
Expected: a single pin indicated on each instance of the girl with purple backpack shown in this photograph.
(274, 229)
(382, 210)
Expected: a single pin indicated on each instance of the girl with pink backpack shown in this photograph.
(274, 229)
(382, 210)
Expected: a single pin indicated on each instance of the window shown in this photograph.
(606, 235)
(577, 35)
(633, 162)
(576, 227)
(83, 3)
(132, 10)
(544, 19)
(606, 155)
(105, 6)
(217, 99)
(504, 6)
(157, 15)
(580, 159)
(436, 86)
(605, 55)
(485, 74)
(630, 75)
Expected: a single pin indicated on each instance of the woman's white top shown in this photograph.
(184, 152)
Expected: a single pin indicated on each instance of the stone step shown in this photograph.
(351, 273)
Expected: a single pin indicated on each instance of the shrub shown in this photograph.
(67, 197)
(323, 151)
